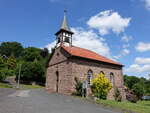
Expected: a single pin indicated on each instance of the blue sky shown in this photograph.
(118, 29)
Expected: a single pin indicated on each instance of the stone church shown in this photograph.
(68, 62)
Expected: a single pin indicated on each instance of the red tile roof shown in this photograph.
(84, 53)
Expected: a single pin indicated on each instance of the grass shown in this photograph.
(4, 85)
(22, 86)
(139, 107)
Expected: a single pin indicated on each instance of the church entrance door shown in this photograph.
(57, 81)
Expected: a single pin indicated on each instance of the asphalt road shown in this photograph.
(38, 101)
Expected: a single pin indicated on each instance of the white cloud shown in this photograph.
(147, 4)
(140, 60)
(136, 68)
(141, 65)
(90, 40)
(142, 47)
(87, 39)
(124, 52)
(126, 45)
(51, 45)
(126, 38)
(107, 21)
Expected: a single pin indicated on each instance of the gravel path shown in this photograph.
(38, 101)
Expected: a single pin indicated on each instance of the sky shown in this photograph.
(117, 29)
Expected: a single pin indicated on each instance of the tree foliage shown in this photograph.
(11, 62)
(11, 48)
(32, 59)
(117, 95)
(44, 52)
(139, 86)
(31, 53)
(130, 81)
(101, 86)
(31, 71)
(7, 67)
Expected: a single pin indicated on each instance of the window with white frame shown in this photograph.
(112, 80)
(89, 76)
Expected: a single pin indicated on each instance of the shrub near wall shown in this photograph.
(101, 86)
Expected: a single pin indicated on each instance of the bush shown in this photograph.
(117, 95)
(78, 88)
(101, 86)
(5, 73)
(130, 96)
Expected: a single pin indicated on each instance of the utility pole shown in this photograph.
(18, 81)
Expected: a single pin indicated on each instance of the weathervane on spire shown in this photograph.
(65, 11)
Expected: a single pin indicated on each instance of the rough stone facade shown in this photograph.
(62, 70)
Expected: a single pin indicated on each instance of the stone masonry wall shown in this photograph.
(60, 64)
(80, 69)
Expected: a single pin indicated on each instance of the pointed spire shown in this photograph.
(64, 26)
(65, 23)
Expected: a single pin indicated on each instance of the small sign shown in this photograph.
(84, 85)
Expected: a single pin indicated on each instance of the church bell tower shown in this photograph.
(64, 35)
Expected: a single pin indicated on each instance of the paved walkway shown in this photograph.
(38, 101)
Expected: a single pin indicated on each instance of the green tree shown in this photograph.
(130, 81)
(101, 86)
(1, 62)
(44, 52)
(4, 71)
(31, 53)
(147, 87)
(31, 71)
(140, 86)
(138, 89)
(11, 48)
(11, 62)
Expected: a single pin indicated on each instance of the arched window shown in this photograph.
(112, 80)
(89, 76)
(67, 39)
(101, 72)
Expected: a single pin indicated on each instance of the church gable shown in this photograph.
(58, 56)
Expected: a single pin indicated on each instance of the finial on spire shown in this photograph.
(65, 11)
(65, 23)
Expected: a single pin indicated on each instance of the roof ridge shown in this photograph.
(90, 51)
(89, 56)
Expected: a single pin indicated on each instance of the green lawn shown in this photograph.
(139, 107)
(4, 85)
(22, 86)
